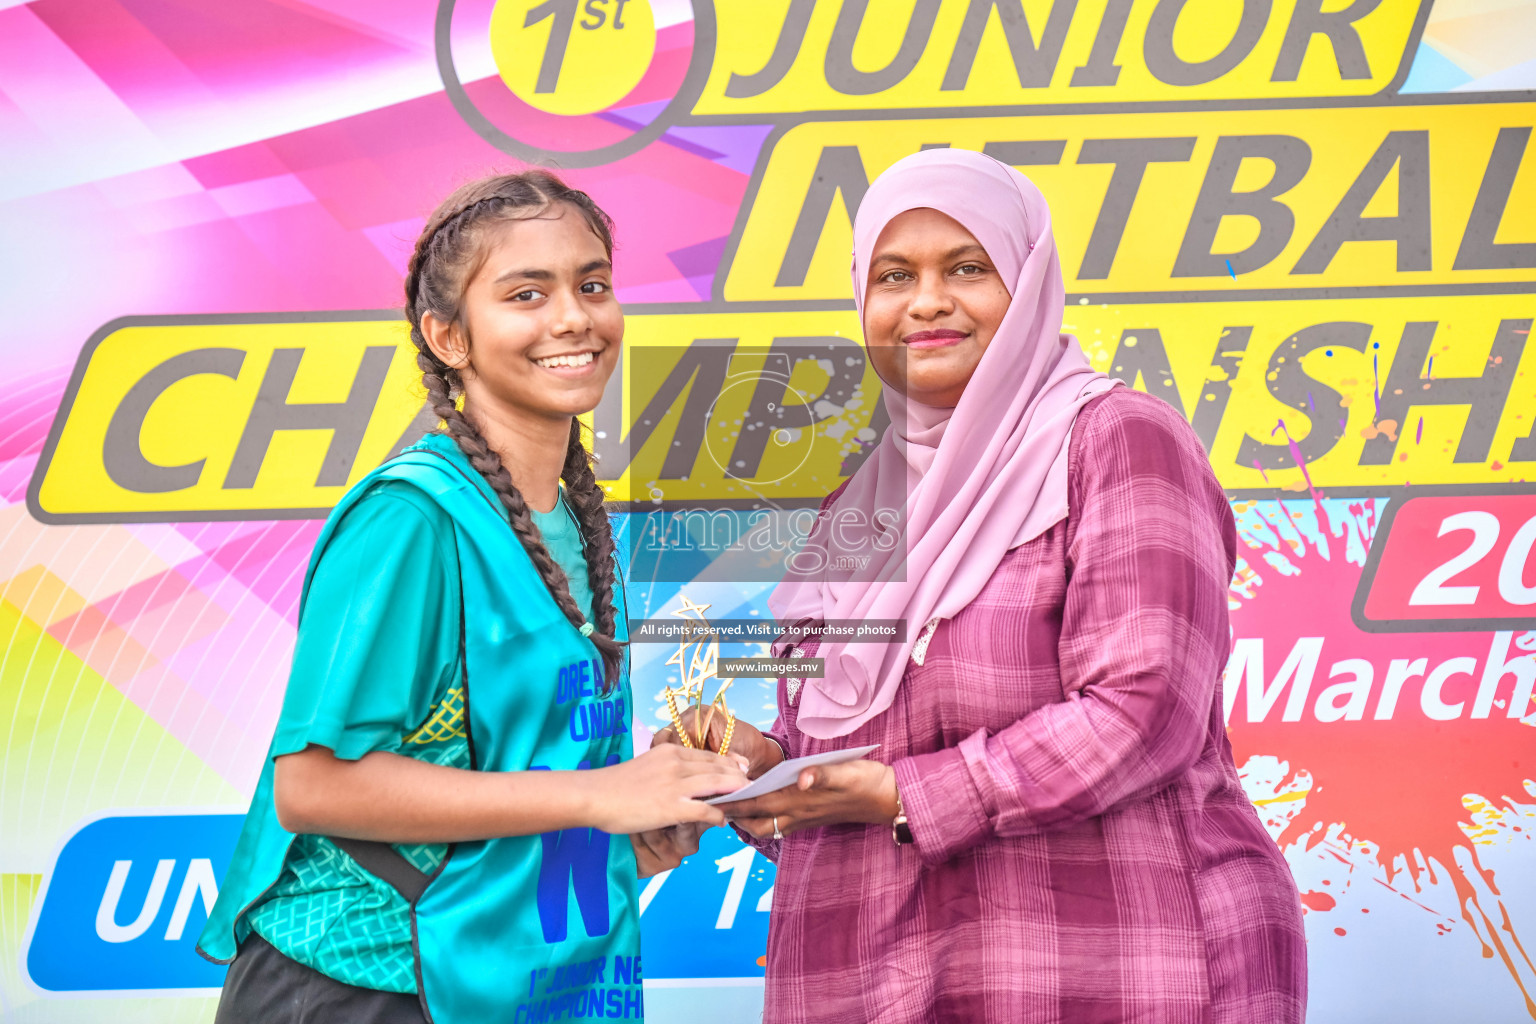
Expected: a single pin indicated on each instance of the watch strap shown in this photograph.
(901, 831)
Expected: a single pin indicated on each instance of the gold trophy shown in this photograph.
(697, 659)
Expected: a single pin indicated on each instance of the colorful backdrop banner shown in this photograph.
(1308, 225)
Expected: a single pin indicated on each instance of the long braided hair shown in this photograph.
(448, 254)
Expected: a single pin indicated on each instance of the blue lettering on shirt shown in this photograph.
(575, 859)
(598, 720)
(581, 990)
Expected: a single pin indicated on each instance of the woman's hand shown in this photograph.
(662, 787)
(663, 849)
(760, 752)
(832, 794)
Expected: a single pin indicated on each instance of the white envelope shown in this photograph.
(784, 774)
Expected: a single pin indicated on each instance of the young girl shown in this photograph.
(440, 831)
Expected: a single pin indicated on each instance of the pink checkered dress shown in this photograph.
(1084, 850)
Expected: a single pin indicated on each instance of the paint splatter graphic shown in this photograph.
(1357, 768)
(1376, 383)
(1301, 464)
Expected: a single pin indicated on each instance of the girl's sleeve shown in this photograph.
(1144, 637)
(378, 634)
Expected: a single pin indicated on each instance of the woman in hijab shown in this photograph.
(1052, 827)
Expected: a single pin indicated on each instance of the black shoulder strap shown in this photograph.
(384, 862)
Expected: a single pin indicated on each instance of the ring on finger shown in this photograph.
(776, 833)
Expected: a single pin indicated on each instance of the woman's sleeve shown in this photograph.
(378, 634)
(1144, 638)
(779, 734)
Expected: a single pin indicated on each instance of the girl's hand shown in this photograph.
(760, 752)
(832, 794)
(662, 787)
(663, 849)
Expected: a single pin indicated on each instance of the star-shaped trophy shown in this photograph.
(697, 659)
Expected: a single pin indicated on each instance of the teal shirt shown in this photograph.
(378, 641)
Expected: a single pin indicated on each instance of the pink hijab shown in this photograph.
(970, 483)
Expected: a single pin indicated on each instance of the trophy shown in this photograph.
(697, 659)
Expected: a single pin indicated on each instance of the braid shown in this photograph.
(586, 499)
(435, 278)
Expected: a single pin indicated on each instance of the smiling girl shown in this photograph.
(451, 820)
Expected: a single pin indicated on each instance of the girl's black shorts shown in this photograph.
(265, 987)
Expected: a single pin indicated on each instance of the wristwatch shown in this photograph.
(901, 832)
